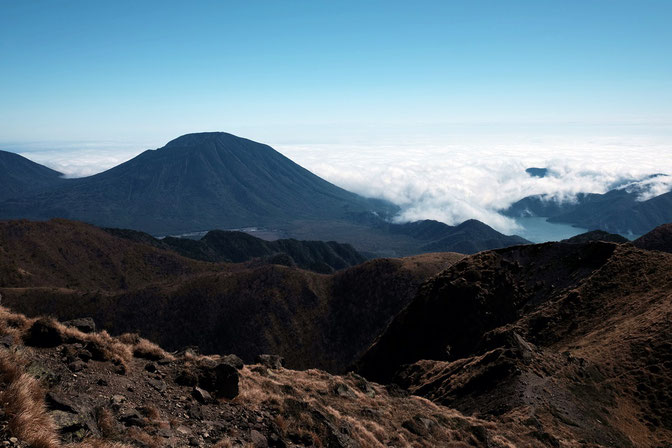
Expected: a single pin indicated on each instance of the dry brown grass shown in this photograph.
(223, 443)
(143, 438)
(22, 398)
(107, 423)
(13, 324)
(112, 348)
(281, 423)
(23, 401)
(315, 389)
(97, 443)
(149, 350)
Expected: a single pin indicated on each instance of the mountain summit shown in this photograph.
(197, 182)
(215, 180)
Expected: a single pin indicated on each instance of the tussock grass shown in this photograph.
(149, 350)
(22, 397)
(223, 443)
(14, 325)
(314, 390)
(23, 401)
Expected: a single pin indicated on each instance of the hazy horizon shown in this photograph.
(437, 106)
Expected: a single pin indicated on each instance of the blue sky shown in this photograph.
(438, 106)
(320, 70)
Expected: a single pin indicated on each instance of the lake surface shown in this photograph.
(539, 230)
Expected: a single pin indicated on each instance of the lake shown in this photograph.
(539, 230)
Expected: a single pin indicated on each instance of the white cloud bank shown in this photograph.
(78, 159)
(453, 183)
(446, 182)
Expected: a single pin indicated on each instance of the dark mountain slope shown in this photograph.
(620, 212)
(196, 182)
(312, 320)
(238, 247)
(617, 211)
(69, 254)
(473, 236)
(596, 235)
(433, 236)
(572, 338)
(659, 238)
(20, 176)
(70, 269)
(482, 292)
(215, 180)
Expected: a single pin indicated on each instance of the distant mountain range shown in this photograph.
(617, 211)
(238, 247)
(215, 180)
(127, 284)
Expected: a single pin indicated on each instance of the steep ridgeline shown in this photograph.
(238, 247)
(72, 270)
(20, 176)
(207, 181)
(571, 340)
(196, 182)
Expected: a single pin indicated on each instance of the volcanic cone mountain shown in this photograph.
(197, 182)
(215, 180)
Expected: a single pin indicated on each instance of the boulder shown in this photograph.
(219, 378)
(234, 360)
(186, 377)
(201, 395)
(83, 324)
(43, 333)
(226, 385)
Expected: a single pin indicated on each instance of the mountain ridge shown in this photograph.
(215, 180)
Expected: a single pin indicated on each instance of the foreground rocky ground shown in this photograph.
(557, 344)
(61, 386)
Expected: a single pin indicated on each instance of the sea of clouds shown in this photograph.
(447, 182)
(452, 183)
